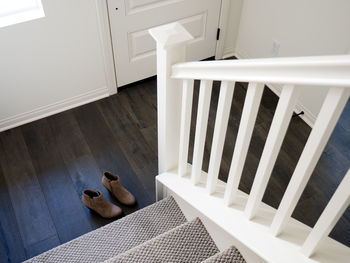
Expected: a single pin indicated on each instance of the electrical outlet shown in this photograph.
(275, 49)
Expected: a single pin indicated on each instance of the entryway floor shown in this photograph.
(45, 165)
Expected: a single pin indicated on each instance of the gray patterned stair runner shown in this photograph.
(230, 255)
(119, 236)
(189, 242)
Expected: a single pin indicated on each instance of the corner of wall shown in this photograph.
(232, 29)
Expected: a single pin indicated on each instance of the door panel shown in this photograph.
(134, 48)
(135, 6)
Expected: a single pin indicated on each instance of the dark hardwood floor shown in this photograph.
(46, 164)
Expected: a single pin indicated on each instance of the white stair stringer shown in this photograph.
(253, 237)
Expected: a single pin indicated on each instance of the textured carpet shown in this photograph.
(119, 236)
(230, 255)
(189, 242)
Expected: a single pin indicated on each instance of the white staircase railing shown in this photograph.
(175, 93)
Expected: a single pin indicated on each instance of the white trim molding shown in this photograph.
(308, 117)
(53, 108)
(223, 20)
(229, 54)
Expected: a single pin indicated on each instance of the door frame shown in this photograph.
(111, 74)
(106, 45)
(223, 25)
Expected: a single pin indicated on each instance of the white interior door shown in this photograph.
(134, 48)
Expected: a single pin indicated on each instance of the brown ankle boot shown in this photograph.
(113, 184)
(95, 201)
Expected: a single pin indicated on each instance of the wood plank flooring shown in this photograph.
(46, 164)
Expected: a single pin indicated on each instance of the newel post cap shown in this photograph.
(170, 34)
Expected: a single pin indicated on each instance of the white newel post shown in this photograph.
(171, 49)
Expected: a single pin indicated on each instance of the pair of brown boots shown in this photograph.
(96, 202)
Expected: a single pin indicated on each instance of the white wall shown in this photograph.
(303, 28)
(52, 63)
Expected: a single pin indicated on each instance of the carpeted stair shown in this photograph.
(119, 236)
(189, 242)
(157, 233)
(230, 255)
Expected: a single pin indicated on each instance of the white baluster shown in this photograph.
(201, 128)
(221, 122)
(330, 216)
(171, 48)
(325, 123)
(246, 126)
(272, 147)
(186, 112)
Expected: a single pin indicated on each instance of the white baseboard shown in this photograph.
(53, 108)
(228, 54)
(241, 55)
(308, 116)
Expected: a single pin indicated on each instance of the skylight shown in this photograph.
(17, 11)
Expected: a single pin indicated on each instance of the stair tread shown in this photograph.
(230, 255)
(189, 242)
(118, 236)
